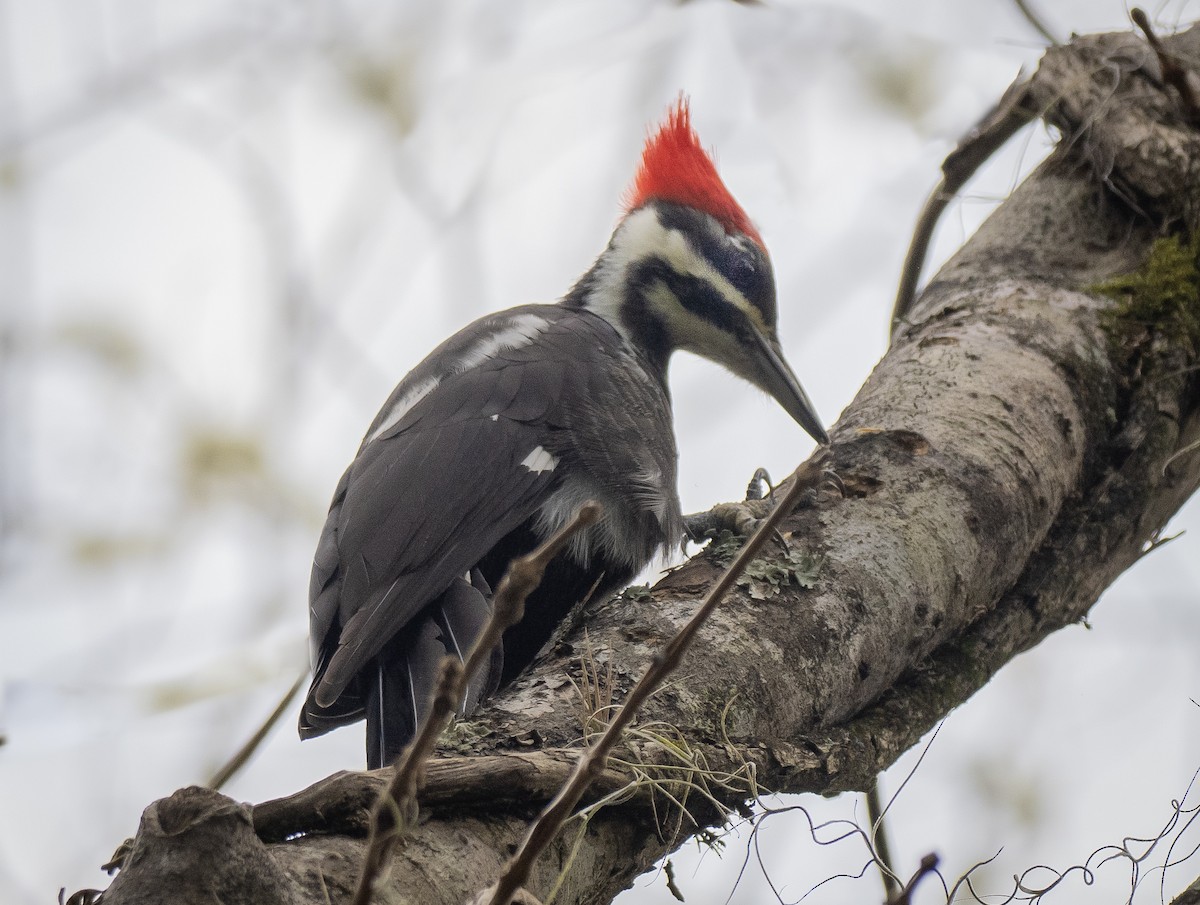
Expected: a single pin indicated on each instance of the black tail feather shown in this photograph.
(398, 699)
(401, 691)
(460, 614)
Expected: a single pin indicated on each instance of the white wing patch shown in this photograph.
(403, 405)
(520, 331)
(539, 460)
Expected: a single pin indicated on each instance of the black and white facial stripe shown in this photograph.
(738, 258)
(672, 278)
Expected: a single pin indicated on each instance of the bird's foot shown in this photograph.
(741, 519)
(737, 518)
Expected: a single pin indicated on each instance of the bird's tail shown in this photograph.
(405, 674)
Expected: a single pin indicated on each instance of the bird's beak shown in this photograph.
(776, 377)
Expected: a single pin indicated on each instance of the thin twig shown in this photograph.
(669, 871)
(981, 142)
(396, 810)
(244, 753)
(879, 841)
(1173, 73)
(1032, 17)
(928, 865)
(593, 761)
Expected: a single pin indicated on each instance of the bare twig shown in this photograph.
(1173, 73)
(594, 759)
(396, 810)
(928, 865)
(981, 142)
(341, 804)
(879, 841)
(1190, 448)
(244, 753)
(1033, 18)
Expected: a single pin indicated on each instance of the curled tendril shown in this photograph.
(1036, 884)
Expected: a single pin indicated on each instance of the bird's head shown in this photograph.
(686, 269)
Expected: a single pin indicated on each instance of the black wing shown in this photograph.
(450, 466)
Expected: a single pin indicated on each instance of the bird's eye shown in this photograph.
(742, 266)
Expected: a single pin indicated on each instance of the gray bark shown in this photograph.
(1006, 460)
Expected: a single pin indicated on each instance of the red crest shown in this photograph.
(675, 167)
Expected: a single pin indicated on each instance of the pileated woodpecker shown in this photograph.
(492, 442)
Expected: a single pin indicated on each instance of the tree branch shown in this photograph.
(1003, 464)
(594, 760)
(974, 149)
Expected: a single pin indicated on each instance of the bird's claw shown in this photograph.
(829, 479)
(739, 518)
(742, 519)
(761, 479)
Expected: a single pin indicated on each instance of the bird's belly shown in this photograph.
(633, 527)
(599, 560)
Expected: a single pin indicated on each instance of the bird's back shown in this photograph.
(484, 449)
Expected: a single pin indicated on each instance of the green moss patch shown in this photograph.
(1162, 297)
